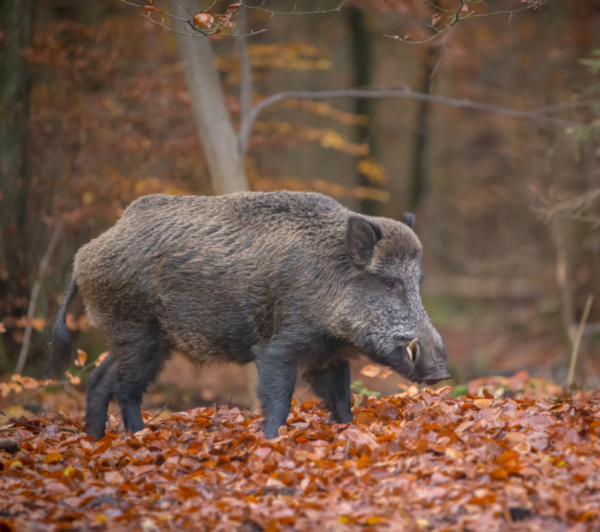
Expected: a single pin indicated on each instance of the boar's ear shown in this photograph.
(409, 219)
(361, 238)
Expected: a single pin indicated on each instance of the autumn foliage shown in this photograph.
(427, 462)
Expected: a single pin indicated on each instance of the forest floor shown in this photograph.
(417, 460)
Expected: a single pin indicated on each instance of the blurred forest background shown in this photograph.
(97, 110)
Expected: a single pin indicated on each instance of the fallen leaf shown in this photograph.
(482, 403)
(81, 358)
(371, 370)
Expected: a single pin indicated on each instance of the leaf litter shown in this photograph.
(420, 462)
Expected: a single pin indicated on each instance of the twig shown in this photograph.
(405, 92)
(201, 486)
(294, 12)
(347, 449)
(34, 296)
(575, 352)
(246, 89)
(157, 415)
(21, 422)
(456, 19)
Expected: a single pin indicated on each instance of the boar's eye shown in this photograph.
(390, 285)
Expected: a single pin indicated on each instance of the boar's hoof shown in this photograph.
(343, 417)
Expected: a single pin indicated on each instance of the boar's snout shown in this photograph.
(441, 375)
(433, 364)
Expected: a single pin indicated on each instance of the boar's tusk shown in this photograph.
(410, 348)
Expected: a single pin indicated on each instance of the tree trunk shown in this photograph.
(17, 18)
(215, 129)
(218, 138)
(418, 184)
(362, 59)
(16, 86)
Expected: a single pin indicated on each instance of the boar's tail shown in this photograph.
(62, 344)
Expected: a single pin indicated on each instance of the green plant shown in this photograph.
(360, 391)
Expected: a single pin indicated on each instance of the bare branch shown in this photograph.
(580, 330)
(576, 207)
(223, 23)
(405, 92)
(456, 18)
(246, 89)
(294, 12)
(34, 296)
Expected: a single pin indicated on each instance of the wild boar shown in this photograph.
(286, 280)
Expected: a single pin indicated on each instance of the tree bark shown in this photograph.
(218, 138)
(211, 115)
(16, 87)
(362, 59)
(418, 184)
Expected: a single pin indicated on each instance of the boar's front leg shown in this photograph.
(277, 374)
(332, 384)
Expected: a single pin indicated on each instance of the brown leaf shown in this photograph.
(101, 358)
(50, 458)
(371, 370)
(435, 19)
(81, 358)
(74, 380)
(204, 20)
(482, 403)
(365, 418)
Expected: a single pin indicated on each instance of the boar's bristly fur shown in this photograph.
(286, 280)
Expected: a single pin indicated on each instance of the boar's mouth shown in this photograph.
(398, 360)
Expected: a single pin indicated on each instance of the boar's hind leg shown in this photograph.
(277, 374)
(140, 360)
(99, 392)
(332, 384)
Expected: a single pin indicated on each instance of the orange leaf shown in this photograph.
(371, 370)
(365, 418)
(482, 403)
(74, 380)
(52, 458)
(72, 322)
(149, 8)
(204, 20)
(101, 358)
(81, 358)
(499, 474)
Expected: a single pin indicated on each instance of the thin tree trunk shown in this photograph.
(363, 60)
(246, 91)
(217, 135)
(15, 89)
(418, 180)
(211, 115)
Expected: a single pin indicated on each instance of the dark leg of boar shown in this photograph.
(135, 360)
(99, 392)
(332, 384)
(277, 374)
(140, 360)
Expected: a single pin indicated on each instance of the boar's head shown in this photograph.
(380, 310)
